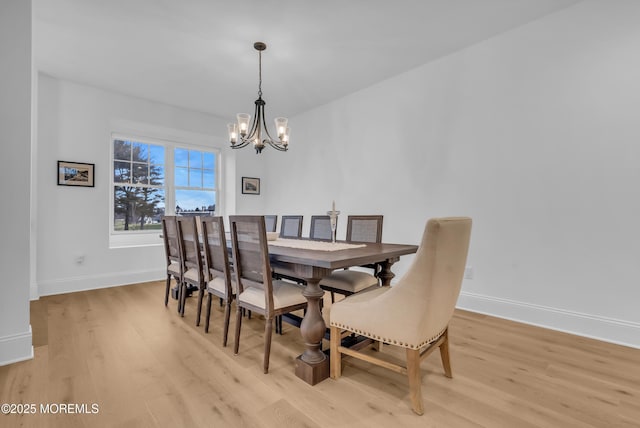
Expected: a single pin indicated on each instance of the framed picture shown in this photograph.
(75, 174)
(250, 186)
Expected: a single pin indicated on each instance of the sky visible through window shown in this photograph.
(194, 177)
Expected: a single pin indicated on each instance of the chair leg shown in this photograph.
(200, 296)
(179, 288)
(208, 314)
(166, 291)
(183, 295)
(236, 345)
(227, 315)
(335, 356)
(268, 327)
(444, 355)
(415, 380)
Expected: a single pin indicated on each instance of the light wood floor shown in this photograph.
(144, 366)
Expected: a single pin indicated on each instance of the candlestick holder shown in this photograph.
(333, 217)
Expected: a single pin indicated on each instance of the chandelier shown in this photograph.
(240, 135)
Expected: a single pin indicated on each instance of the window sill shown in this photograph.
(128, 240)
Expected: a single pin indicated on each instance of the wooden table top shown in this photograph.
(371, 253)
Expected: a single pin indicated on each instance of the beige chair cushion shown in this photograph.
(191, 275)
(217, 284)
(284, 294)
(174, 268)
(349, 280)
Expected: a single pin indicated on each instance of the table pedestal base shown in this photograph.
(312, 373)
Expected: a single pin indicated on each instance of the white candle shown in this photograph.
(334, 206)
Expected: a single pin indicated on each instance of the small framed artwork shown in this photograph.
(250, 186)
(75, 174)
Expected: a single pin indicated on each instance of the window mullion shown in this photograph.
(169, 181)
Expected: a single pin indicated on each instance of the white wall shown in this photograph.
(15, 123)
(75, 124)
(534, 134)
(250, 164)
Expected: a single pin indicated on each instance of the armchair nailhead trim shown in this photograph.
(390, 341)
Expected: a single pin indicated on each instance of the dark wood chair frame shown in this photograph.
(288, 218)
(268, 219)
(378, 239)
(216, 262)
(313, 231)
(350, 220)
(173, 254)
(192, 257)
(261, 262)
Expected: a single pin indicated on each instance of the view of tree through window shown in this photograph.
(138, 170)
(151, 179)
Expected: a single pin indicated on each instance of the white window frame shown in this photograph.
(141, 238)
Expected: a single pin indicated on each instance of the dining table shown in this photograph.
(311, 261)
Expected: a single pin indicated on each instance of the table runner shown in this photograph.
(314, 245)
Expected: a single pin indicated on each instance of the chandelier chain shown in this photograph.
(259, 74)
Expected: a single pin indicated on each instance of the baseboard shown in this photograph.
(15, 348)
(621, 332)
(92, 282)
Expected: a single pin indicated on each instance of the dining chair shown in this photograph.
(291, 226)
(271, 222)
(413, 314)
(193, 272)
(257, 290)
(217, 271)
(321, 228)
(360, 229)
(172, 253)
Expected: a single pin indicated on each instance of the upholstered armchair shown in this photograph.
(414, 313)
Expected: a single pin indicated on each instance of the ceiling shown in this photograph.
(198, 54)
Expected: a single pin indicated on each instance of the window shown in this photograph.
(195, 181)
(151, 178)
(138, 179)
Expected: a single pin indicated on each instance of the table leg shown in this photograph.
(385, 274)
(313, 365)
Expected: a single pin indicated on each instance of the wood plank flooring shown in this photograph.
(145, 366)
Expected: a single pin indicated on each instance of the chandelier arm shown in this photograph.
(277, 146)
(266, 131)
(241, 144)
(255, 124)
